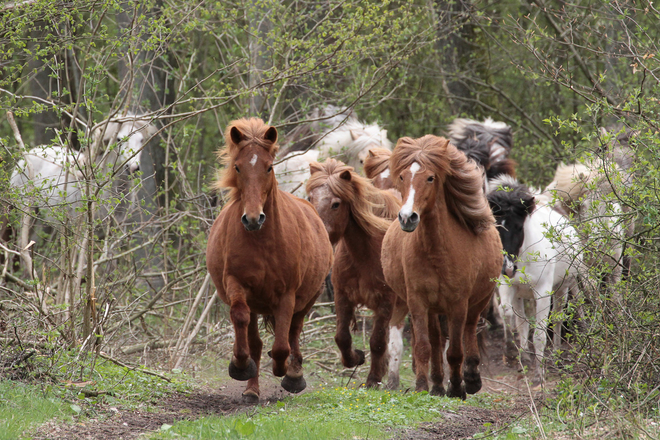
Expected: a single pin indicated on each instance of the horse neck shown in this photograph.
(358, 242)
(435, 224)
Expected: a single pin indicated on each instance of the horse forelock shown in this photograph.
(362, 197)
(253, 131)
(506, 192)
(463, 181)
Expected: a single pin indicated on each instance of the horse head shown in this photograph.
(511, 203)
(334, 211)
(250, 152)
(122, 142)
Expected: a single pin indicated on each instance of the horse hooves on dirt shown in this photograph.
(472, 387)
(243, 374)
(250, 396)
(438, 390)
(457, 393)
(294, 384)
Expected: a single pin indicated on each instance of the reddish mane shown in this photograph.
(253, 132)
(463, 182)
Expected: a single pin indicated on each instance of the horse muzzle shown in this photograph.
(253, 223)
(509, 267)
(409, 222)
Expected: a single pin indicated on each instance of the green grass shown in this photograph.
(336, 413)
(24, 406)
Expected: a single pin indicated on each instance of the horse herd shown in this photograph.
(465, 226)
(433, 231)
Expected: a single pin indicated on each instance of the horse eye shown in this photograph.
(401, 178)
(270, 168)
(335, 205)
(430, 179)
(236, 168)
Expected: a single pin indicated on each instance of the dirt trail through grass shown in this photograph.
(119, 422)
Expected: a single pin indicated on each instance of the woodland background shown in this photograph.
(556, 71)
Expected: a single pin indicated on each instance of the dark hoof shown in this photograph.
(472, 387)
(438, 390)
(243, 374)
(456, 392)
(472, 382)
(250, 397)
(373, 384)
(360, 357)
(294, 385)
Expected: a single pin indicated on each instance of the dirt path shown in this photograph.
(120, 423)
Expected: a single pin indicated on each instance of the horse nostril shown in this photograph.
(262, 219)
(244, 220)
(414, 217)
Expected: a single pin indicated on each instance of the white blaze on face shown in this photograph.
(407, 209)
(385, 174)
(253, 160)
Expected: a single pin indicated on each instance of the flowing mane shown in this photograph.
(252, 132)
(463, 182)
(366, 201)
(376, 162)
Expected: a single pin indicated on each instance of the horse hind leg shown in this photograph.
(395, 354)
(378, 344)
(457, 325)
(251, 393)
(345, 310)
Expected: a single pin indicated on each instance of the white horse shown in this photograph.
(535, 267)
(584, 193)
(54, 179)
(337, 134)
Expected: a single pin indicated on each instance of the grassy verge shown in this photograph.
(335, 413)
(24, 406)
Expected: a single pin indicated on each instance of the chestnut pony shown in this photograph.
(356, 216)
(442, 257)
(268, 253)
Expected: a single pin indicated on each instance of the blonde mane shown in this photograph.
(371, 208)
(253, 132)
(377, 161)
(463, 181)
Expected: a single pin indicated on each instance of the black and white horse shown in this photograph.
(535, 267)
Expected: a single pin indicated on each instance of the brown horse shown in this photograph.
(442, 258)
(356, 216)
(268, 253)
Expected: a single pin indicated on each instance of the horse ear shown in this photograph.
(354, 134)
(235, 135)
(529, 203)
(271, 134)
(315, 167)
(371, 153)
(346, 175)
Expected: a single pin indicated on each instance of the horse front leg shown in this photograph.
(345, 310)
(456, 324)
(543, 304)
(251, 393)
(242, 366)
(438, 343)
(378, 344)
(421, 345)
(293, 381)
(395, 344)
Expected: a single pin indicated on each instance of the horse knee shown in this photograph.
(240, 314)
(343, 340)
